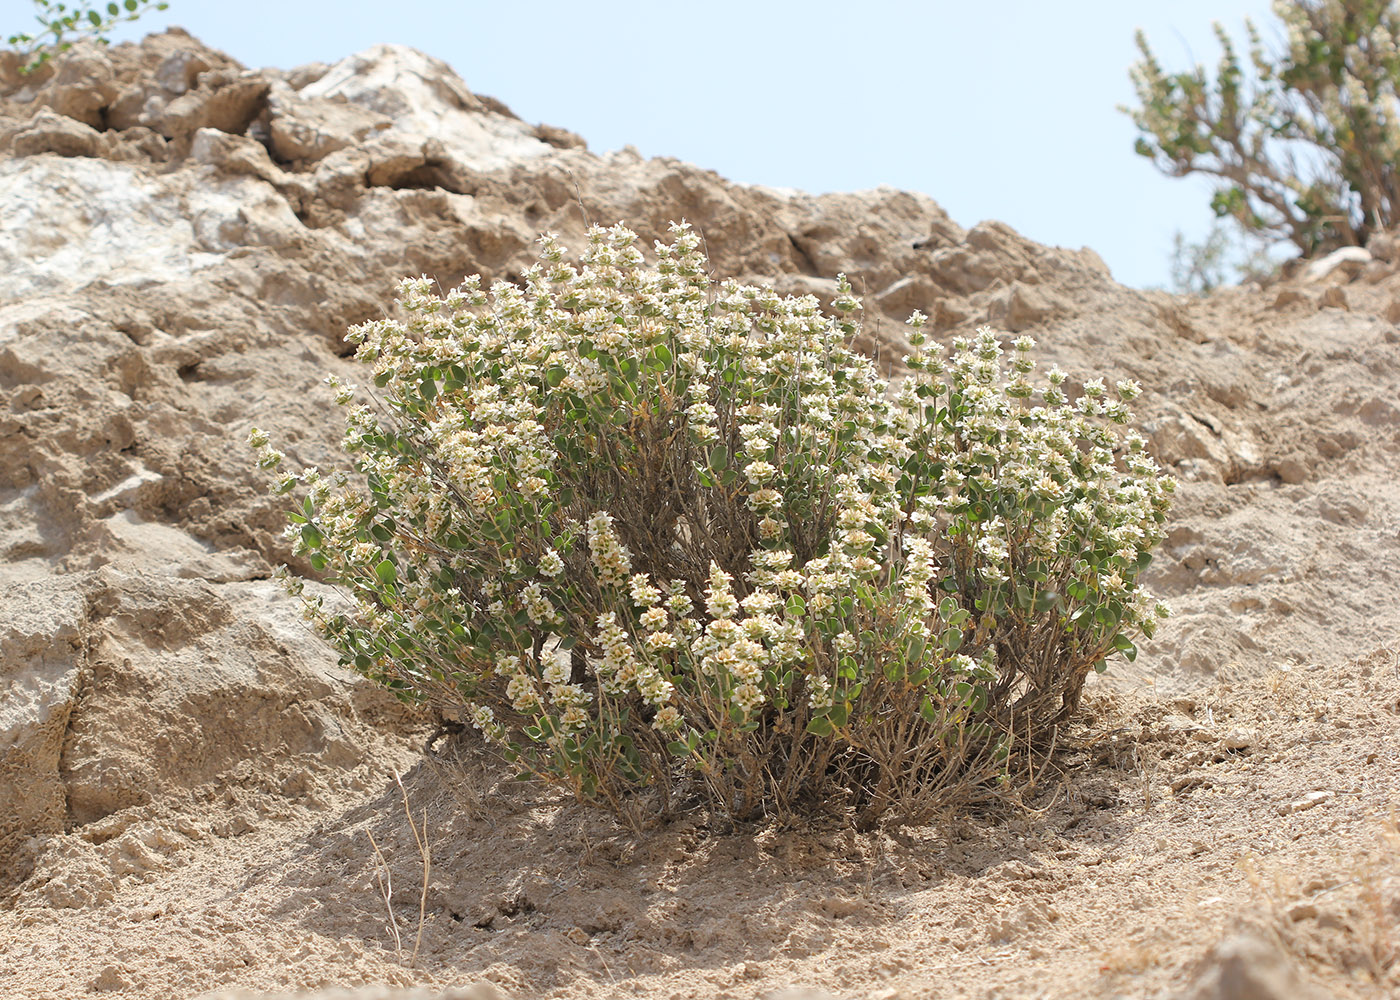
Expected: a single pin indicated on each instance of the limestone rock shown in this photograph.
(423, 98)
(909, 293)
(1023, 306)
(179, 72)
(308, 129)
(42, 659)
(77, 86)
(225, 101)
(53, 133)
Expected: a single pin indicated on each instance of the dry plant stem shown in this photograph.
(424, 851)
(386, 888)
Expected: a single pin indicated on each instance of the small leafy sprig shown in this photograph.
(64, 24)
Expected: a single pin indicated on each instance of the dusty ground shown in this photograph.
(194, 798)
(1268, 803)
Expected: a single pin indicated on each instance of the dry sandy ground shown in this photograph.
(1267, 803)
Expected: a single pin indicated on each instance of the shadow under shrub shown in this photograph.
(644, 530)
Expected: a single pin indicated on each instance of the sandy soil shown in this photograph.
(1266, 803)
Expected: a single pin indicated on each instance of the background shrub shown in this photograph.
(650, 532)
(1305, 142)
(1226, 255)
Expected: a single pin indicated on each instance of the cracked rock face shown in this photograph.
(183, 243)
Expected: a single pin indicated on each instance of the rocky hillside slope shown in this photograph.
(182, 245)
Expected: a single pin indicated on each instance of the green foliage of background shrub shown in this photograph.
(63, 24)
(1306, 147)
(652, 532)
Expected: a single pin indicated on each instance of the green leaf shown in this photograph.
(820, 727)
(386, 572)
(719, 458)
(95, 18)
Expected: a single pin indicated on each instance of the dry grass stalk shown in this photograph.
(386, 889)
(420, 837)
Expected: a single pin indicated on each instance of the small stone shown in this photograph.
(578, 936)
(1291, 297)
(1180, 724)
(1301, 911)
(108, 980)
(1290, 470)
(1240, 739)
(1335, 297)
(1305, 803)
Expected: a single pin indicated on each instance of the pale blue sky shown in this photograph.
(1002, 110)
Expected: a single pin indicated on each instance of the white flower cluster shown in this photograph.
(610, 558)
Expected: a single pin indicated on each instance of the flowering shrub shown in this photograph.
(1306, 148)
(646, 531)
